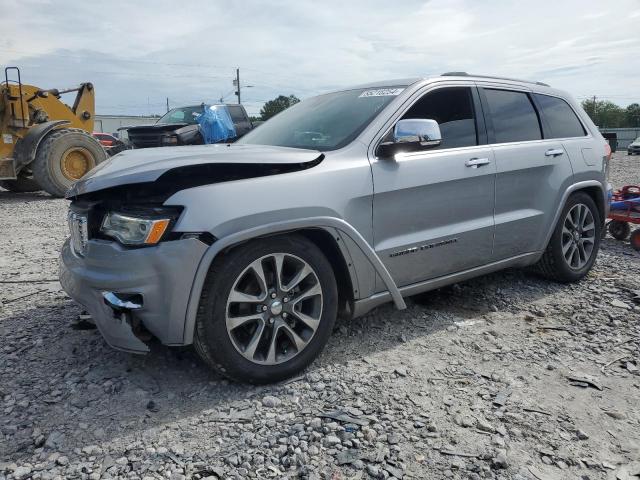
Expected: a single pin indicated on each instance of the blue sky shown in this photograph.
(139, 53)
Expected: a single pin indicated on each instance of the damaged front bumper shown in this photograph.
(127, 289)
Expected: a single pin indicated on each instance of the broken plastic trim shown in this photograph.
(122, 303)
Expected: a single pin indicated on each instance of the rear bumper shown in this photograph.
(162, 276)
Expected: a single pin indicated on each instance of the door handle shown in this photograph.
(477, 162)
(554, 152)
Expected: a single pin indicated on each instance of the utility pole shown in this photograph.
(594, 107)
(167, 104)
(236, 82)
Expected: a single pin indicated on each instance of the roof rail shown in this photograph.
(465, 74)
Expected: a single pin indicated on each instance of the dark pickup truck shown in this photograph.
(179, 127)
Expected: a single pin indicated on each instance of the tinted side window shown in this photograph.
(560, 117)
(513, 115)
(237, 115)
(452, 108)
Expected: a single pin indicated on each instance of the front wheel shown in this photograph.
(575, 241)
(266, 310)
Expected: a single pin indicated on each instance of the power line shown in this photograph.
(130, 74)
(149, 62)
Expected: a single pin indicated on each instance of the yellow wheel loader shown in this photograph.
(44, 143)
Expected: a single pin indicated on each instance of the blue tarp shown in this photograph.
(216, 124)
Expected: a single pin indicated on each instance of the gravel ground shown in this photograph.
(505, 376)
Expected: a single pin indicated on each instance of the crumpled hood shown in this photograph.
(147, 165)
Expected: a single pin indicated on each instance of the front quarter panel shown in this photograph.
(340, 186)
(339, 189)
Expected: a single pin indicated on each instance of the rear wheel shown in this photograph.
(575, 241)
(64, 157)
(267, 309)
(21, 184)
(619, 230)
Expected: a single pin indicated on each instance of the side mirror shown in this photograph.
(412, 135)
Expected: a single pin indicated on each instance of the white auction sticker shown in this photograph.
(7, 138)
(381, 92)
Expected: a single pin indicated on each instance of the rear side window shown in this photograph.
(514, 118)
(560, 118)
(452, 108)
(237, 115)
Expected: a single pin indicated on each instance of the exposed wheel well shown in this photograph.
(596, 195)
(327, 243)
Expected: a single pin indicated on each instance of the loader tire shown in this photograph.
(64, 157)
(20, 185)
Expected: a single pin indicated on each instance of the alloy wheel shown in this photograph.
(578, 236)
(274, 308)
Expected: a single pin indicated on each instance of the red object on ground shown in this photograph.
(632, 213)
(620, 218)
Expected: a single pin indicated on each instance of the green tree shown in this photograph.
(632, 115)
(275, 106)
(605, 114)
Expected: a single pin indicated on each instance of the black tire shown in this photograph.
(553, 264)
(619, 230)
(20, 185)
(212, 341)
(48, 170)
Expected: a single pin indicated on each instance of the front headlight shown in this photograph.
(132, 230)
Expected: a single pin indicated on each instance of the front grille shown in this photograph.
(78, 227)
(145, 139)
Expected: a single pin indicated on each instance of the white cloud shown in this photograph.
(139, 53)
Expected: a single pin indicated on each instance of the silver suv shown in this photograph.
(340, 203)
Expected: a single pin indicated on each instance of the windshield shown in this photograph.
(181, 115)
(326, 122)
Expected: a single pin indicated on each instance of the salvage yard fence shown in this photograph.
(624, 135)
